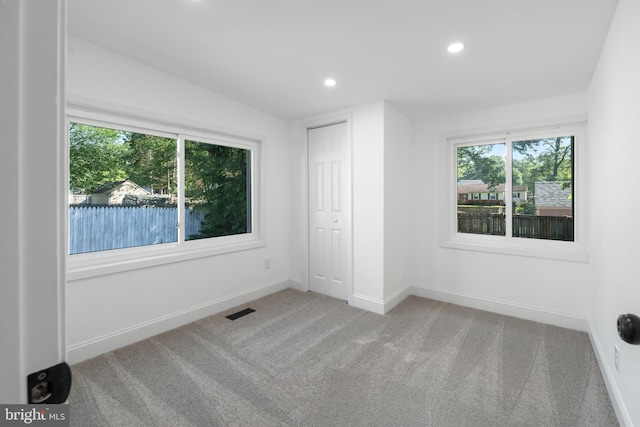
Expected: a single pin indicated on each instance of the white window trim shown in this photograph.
(567, 251)
(81, 266)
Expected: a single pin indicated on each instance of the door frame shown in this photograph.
(32, 308)
(305, 126)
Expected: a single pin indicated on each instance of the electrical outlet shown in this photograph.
(616, 358)
(267, 263)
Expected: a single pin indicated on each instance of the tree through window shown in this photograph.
(218, 185)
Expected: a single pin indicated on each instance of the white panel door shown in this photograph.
(330, 210)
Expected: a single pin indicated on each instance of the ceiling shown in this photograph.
(275, 55)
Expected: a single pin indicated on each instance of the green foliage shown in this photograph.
(216, 180)
(547, 159)
(526, 208)
(95, 157)
(477, 162)
(99, 156)
(151, 163)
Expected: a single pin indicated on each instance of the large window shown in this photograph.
(514, 189)
(132, 188)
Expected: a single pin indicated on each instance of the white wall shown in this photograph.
(368, 206)
(297, 203)
(397, 199)
(538, 289)
(112, 310)
(614, 135)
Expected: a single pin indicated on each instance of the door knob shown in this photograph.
(629, 328)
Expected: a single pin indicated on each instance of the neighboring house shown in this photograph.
(114, 193)
(554, 198)
(79, 199)
(481, 194)
(470, 181)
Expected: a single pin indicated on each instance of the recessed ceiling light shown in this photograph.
(455, 47)
(330, 83)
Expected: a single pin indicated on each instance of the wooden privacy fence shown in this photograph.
(528, 226)
(100, 228)
(543, 227)
(481, 224)
(480, 210)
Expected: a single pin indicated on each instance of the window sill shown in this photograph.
(84, 266)
(560, 251)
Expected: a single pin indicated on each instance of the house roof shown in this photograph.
(484, 188)
(109, 187)
(553, 194)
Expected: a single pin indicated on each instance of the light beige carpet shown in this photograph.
(303, 359)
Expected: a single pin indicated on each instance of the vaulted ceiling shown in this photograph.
(275, 55)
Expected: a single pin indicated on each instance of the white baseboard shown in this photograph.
(379, 306)
(507, 308)
(395, 299)
(106, 343)
(295, 283)
(522, 311)
(609, 380)
(367, 303)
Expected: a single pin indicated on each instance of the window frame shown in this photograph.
(551, 249)
(91, 264)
